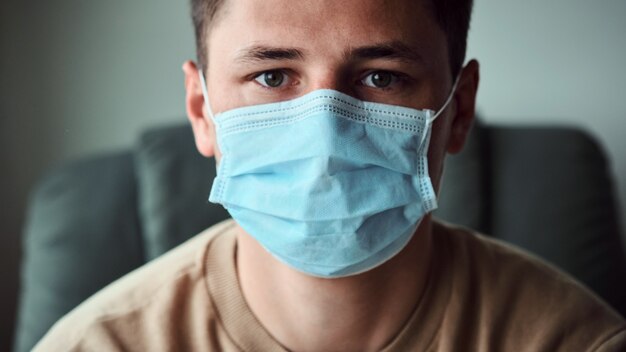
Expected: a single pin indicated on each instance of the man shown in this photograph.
(330, 121)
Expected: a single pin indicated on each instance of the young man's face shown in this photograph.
(394, 52)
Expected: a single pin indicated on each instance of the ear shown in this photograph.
(465, 98)
(201, 123)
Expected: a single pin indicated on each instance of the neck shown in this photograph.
(362, 312)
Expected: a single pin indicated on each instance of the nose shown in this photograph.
(329, 78)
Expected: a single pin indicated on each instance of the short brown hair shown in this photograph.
(452, 15)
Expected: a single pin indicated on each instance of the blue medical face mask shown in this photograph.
(330, 185)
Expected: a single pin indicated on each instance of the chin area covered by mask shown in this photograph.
(330, 185)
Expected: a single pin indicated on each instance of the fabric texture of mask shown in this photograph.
(328, 184)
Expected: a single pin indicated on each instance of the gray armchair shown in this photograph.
(91, 221)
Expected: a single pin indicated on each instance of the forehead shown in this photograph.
(326, 26)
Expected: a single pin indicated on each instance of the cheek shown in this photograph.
(437, 150)
(218, 153)
(213, 139)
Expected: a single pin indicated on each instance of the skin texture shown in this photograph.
(363, 312)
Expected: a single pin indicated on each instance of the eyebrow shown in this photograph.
(262, 53)
(395, 50)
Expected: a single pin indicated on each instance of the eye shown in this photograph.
(380, 79)
(271, 79)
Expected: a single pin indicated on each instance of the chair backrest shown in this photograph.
(547, 190)
(91, 221)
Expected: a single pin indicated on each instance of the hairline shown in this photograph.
(212, 18)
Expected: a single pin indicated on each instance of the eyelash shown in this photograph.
(253, 77)
(399, 77)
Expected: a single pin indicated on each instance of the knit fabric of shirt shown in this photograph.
(480, 295)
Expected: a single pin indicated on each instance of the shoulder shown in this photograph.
(518, 296)
(142, 302)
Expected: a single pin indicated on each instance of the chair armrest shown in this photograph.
(81, 234)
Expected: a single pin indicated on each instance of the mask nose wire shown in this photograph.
(205, 93)
(429, 121)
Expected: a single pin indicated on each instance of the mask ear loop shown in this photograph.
(430, 120)
(431, 198)
(205, 93)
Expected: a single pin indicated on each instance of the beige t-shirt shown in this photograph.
(481, 295)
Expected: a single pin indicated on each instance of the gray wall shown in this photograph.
(80, 77)
(556, 62)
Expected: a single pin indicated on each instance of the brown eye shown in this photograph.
(272, 79)
(379, 79)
